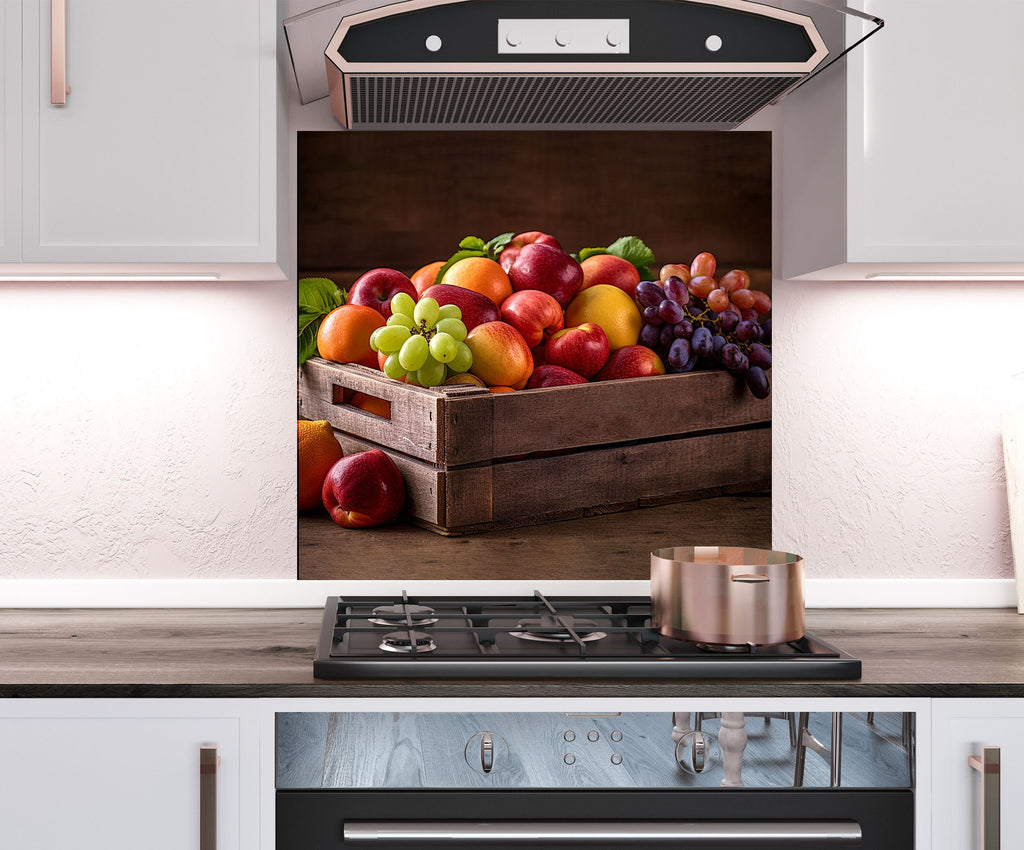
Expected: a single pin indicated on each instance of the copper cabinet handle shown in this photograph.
(987, 764)
(208, 763)
(59, 88)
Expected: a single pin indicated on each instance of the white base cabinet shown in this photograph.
(960, 729)
(125, 774)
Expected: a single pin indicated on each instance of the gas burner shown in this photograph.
(402, 615)
(586, 630)
(409, 641)
(727, 647)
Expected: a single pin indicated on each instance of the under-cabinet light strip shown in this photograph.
(1009, 276)
(93, 276)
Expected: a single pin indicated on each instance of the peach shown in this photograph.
(501, 356)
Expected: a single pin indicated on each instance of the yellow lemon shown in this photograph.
(609, 307)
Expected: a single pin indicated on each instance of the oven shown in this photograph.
(533, 780)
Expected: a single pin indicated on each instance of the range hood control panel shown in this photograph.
(563, 35)
(509, 32)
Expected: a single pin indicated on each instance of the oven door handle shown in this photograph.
(683, 834)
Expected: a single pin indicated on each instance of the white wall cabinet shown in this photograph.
(124, 774)
(960, 728)
(170, 147)
(10, 130)
(906, 155)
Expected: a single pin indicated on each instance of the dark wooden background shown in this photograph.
(404, 199)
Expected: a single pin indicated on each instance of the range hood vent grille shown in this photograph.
(383, 100)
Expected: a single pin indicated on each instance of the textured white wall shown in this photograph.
(887, 452)
(146, 430)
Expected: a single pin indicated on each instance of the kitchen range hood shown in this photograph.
(600, 64)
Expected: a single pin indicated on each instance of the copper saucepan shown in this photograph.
(727, 595)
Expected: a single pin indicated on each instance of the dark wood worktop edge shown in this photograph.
(511, 689)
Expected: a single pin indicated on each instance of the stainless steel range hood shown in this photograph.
(601, 64)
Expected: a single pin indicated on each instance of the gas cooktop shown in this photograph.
(539, 637)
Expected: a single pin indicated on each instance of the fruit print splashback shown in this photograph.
(587, 317)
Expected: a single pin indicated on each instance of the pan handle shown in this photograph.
(751, 578)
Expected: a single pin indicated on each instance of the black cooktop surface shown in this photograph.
(541, 637)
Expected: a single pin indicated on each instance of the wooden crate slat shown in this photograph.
(412, 428)
(721, 462)
(594, 414)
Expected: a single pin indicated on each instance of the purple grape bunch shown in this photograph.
(687, 334)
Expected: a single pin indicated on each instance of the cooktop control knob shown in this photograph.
(486, 752)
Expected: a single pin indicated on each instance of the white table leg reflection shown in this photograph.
(733, 740)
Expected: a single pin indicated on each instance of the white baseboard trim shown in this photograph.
(287, 593)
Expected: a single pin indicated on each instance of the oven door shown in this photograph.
(737, 819)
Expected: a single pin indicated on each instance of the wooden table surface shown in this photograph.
(269, 653)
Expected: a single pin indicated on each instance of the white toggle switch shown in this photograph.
(433, 43)
(580, 36)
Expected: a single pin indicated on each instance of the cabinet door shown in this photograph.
(935, 122)
(100, 775)
(165, 149)
(10, 130)
(960, 729)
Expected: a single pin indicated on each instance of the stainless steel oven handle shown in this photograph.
(685, 834)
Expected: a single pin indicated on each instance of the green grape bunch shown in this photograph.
(424, 342)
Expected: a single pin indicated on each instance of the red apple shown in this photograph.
(509, 253)
(476, 308)
(631, 361)
(537, 353)
(535, 314)
(584, 349)
(548, 269)
(553, 376)
(610, 269)
(377, 287)
(363, 490)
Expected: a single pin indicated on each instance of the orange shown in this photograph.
(481, 275)
(424, 276)
(502, 390)
(371, 404)
(344, 335)
(319, 450)
(609, 307)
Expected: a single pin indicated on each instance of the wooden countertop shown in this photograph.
(269, 653)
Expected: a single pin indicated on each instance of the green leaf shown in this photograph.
(307, 340)
(591, 252)
(633, 249)
(496, 245)
(317, 297)
(458, 255)
(472, 243)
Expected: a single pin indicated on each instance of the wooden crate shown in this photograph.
(476, 461)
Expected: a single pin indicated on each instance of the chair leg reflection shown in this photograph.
(831, 753)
